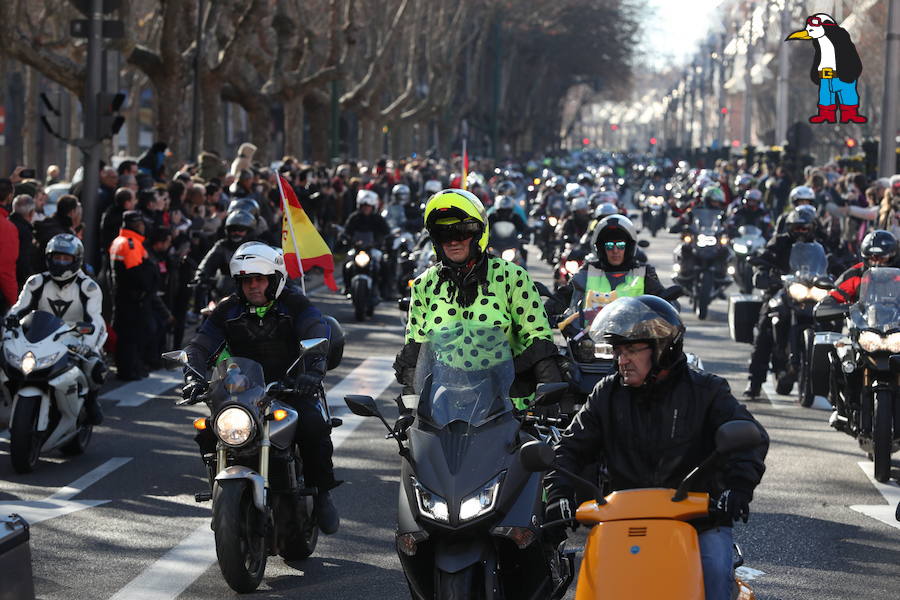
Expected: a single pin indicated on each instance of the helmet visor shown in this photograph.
(458, 231)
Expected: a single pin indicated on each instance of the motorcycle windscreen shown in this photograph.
(470, 368)
(808, 259)
(749, 231)
(39, 324)
(879, 300)
(503, 233)
(234, 376)
(706, 220)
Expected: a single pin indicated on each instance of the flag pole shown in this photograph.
(465, 172)
(290, 222)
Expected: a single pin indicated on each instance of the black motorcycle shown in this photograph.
(505, 242)
(864, 368)
(361, 274)
(748, 244)
(469, 514)
(701, 259)
(261, 506)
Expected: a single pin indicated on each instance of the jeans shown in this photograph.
(718, 565)
(834, 91)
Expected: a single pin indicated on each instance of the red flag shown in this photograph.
(300, 239)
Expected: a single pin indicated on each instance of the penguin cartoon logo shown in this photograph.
(836, 67)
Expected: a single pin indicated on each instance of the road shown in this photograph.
(120, 522)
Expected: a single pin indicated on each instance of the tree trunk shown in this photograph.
(293, 127)
(211, 115)
(260, 129)
(319, 127)
(171, 124)
(30, 122)
(365, 137)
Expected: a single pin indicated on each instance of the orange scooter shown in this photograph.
(640, 545)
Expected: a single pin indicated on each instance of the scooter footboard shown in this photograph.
(641, 558)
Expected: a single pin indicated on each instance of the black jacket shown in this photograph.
(373, 223)
(29, 261)
(653, 437)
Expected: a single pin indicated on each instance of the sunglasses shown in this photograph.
(615, 245)
(817, 22)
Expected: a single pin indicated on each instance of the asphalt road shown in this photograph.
(120, 521)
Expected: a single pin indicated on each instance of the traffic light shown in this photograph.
(585, 141)
(723, 110)
(614, 127)
(109, 121)
(653, 141)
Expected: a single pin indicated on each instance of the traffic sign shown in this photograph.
(84, 6)
(112, 29)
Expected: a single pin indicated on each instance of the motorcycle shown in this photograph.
(653, 216)
(360, 273)
(41, 365)
(652, 523)
(701, 259)
(748, 243)
(396, 247)
(570, 261)
(863, 366)
(261, 506)
(468, 511)
(504, 241)
(413, 264)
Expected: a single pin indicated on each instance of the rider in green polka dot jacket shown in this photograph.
(468, 285)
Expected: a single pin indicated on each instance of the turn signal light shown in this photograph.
(200, 423)
(280, 414)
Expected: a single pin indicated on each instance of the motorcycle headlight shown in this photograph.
(361, 259)
(430, 504)
(572, 266)
(481, 501)
(818, 294)
(742, 248)
(28, 362)
(234, 426)
(552, 221)
(798, 291)
(731, 270)
(687, 239)
(508, 254)
(873, 342)
(704, 240)
(723, 240)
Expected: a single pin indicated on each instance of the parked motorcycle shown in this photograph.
(701, 259)
(41, 365)
(863, 367)
(468, 511)
(748, 244)
(651, 523)
(261, 506)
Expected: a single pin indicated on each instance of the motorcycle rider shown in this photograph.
(878, 249)
(800, 195)
(366, 224)
(576, 224)
(239, 227)
(67, 292)
(468, 284)
(266, 321)
(614, 268)
(799, 227)
(504, 209)
(750, 212)
(552, 201)
(401, 194)
(626, 423)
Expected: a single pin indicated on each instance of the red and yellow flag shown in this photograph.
(303, 247)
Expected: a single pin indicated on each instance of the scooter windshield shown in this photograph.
(706, 220)
(463, 374)
(879, 299)
(808, 259)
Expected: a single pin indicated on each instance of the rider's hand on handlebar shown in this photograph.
(735, 503)
(308, 384)
(193, 389)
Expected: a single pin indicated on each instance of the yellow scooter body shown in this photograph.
(641, 547)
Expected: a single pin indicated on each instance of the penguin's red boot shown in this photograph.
(827, 114)
(849, 114)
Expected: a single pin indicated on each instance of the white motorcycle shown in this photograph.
(41, 365)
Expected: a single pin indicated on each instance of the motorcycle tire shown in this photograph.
(462, 585)
(359, 293)
(25, 440)
(883, 435)
(807, 396)
(703, 296)
(241, 552)
(78, 444)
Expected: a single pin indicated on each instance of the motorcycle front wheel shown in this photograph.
(702, 297)
(883, 434)
(359, 292)
(240, 545)
(807, 396)
(25, 440)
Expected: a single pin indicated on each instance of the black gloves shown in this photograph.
(11, 322)
(557, 516)
(735, 503)
(193, 389)
(308, 384)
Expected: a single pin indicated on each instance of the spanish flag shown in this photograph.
(303, 247)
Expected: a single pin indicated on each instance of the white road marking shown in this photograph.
(171, 575)
(136, 393)
(60, 503)
(891, 492)
(748, 574)
(781, 401)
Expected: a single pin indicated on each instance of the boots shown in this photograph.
(849, 114)
(326, 513)
(827, 114)
(752, 391)
(93, 408)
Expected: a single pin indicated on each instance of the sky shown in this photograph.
(674, 28)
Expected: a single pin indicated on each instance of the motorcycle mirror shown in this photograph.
(547, 394)
(313, 345)
(737, 435)
(643, 243)
(363, 406)
(176, 356)
(542, 289)
(830, 312)
(403, 304)
(634, 216)
(673, 292)
(536, 456)
(825, 283)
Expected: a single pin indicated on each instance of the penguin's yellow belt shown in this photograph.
(827, 73)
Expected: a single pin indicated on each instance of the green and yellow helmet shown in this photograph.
(452, 213)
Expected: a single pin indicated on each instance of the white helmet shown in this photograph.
(580, 203)
(573, 190)
(366, 197)
(257, 258)
(802, 192)
(433, 186)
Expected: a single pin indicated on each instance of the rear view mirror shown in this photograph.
(364, 406)
(830, 312)
(403, 304)
(643, 243)
(737, 435)
(176, 356)
(549, 393)
(536, 456)
(542, 289)
(313, 345)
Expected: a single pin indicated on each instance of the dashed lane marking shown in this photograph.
(886, 513)
(177, 569)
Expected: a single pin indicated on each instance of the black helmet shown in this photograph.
(248, 204)
(647, 319)
(237, 220)
(879, 244)
(615, 228)
(800, 224)
(63, 270)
